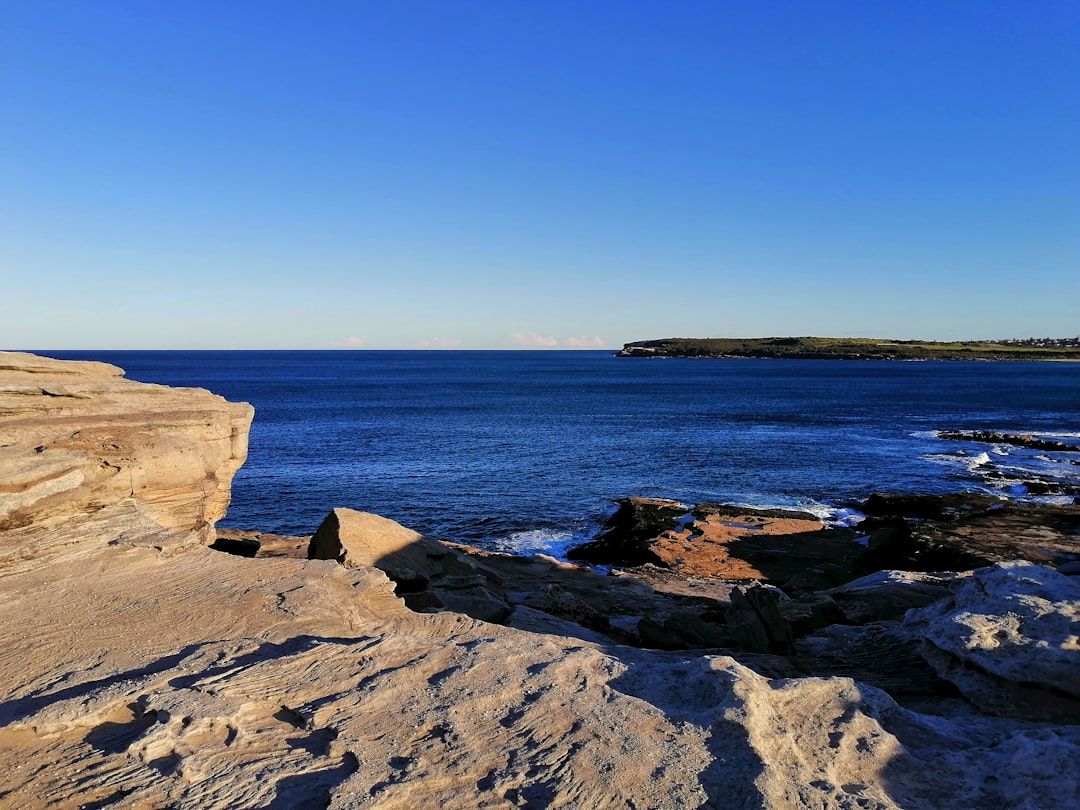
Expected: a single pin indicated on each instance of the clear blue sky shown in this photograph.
(495, 174)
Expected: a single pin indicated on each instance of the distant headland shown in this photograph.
(827, 348)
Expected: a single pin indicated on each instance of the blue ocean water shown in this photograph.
(526, 450)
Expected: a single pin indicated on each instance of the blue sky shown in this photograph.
(558, 174)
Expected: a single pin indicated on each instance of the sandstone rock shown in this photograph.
(416, 563)
(889, 594)
(76, 437)
(294, 683)
(265, 544)
(1009, 638)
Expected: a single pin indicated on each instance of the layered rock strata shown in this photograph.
(76, 438)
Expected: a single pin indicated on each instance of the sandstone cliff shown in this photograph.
(77, 438)
(141, 669)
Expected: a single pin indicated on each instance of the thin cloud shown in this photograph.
(348, 343)
(594, 342)
(439, 343)
(531, 340)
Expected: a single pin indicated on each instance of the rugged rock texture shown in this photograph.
(428, 574)
(1009, 638)
(77, 437)
(964, 531)
(889, 594)
(141, 669)
(794, 550)
(289, 683)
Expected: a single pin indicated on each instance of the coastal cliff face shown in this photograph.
(77, 438)
(141, 669)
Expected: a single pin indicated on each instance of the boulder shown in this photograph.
(1009, 638)
(417, 564)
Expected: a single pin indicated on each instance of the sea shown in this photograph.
(526, 451)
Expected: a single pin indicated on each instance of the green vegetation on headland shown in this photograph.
(823, 348)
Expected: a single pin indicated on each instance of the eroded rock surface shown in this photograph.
(428, 574)
(76, 437)
(1009, 638)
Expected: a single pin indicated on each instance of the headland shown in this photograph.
(828, 348)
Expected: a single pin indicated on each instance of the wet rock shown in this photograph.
(925, 507)
(790, 549)
(627, 536)
(1014, 439)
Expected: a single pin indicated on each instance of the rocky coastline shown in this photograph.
(688, 656)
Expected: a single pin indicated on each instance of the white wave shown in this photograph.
(539, 541)
(999, 450)
(837, 516)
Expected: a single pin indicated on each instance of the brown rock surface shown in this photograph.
(789, 549)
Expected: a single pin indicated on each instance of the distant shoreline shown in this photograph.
(819, 348)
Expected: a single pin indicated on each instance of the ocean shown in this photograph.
(526, 451)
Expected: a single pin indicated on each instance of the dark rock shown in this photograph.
(757, 624)
(1016, 440)
(902, 547)
(625, 538)
(685, 629)
(240, 546)
(925, 507)
(975, 531)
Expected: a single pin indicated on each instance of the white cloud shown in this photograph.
(347, 343)
(594, 342)
(439, 343)
(531, 340)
